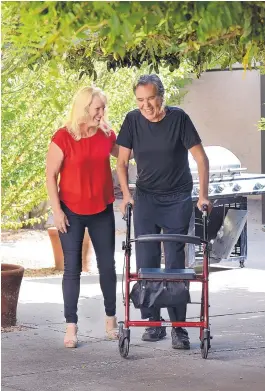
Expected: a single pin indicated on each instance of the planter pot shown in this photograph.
(11, 277)
(58, 251)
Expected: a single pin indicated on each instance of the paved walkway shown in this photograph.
(34, 359)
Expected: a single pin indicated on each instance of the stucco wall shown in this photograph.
(225, 108)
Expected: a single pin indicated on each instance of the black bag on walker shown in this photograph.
(159, 294)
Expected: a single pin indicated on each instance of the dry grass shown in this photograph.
(43, 272)
(15, 328)
(22, 234)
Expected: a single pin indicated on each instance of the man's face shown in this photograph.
(149, 103)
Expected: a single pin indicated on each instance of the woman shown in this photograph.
(80, 153)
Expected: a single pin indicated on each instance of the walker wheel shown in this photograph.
(205, 344)
(124, 346)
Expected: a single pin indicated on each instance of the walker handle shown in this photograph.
(205, 210)
(205, 221)
(128, 211)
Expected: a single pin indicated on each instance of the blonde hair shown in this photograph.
(78, 113)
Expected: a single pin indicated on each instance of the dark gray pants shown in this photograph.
(101, 228)
(170, 214)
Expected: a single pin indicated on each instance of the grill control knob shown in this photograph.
(219, 189)
(236, 187)
(196, 190)
(258, 186)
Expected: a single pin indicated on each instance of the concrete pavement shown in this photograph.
(35, 359)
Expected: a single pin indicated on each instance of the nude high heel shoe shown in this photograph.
(70, 338)
(112, 330)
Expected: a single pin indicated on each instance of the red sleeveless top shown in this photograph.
(86, 185)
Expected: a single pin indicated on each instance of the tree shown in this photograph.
(32, 105)
(123, 34)
(261, 124)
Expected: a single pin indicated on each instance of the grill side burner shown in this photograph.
(229, 186)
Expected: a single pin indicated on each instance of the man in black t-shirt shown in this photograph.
(160, 137)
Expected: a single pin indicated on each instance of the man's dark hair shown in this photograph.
(151, 79)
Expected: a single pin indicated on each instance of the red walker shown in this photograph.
(177, 275)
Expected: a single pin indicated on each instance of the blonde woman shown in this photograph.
(80, 153)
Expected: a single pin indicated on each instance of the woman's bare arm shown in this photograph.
(53, 164)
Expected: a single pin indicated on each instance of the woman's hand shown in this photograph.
(60, 221)
(124, 204)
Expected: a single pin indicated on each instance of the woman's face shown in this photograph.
(95, 111)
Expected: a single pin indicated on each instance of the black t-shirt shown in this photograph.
(160, 150)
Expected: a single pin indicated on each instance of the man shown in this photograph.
(160, 137)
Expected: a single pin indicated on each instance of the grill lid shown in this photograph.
(220, 159)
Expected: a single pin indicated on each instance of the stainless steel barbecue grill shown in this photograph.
(227, 177)
(229, 187)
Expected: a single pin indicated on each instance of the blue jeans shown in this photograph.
(101, 228)
(168, 213)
